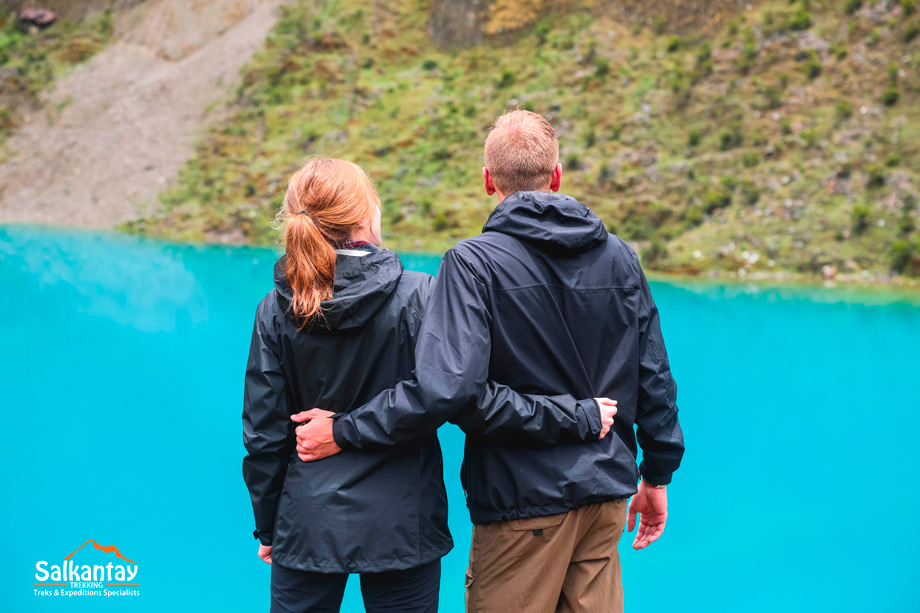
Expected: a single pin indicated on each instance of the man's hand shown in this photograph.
(608, 409)
(314, 438)
(265, 552)
(651, 504)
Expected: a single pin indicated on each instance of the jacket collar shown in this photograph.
(553, 222)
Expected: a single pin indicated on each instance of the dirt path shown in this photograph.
(116, 130)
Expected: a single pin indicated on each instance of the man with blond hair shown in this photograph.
(545, 302)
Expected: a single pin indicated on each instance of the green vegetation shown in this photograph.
(30, 61)
(891, 95)
(902, 255)
(812, 66)
(876, 177)
(801, 20)
(911, 32)
(860, 218)
(776, 145)
(843, 109)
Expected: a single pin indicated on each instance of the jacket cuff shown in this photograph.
(653, 477)
(338, 433)
(263, 537)
(592, 415)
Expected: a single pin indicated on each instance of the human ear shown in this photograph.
(487, 179)
(556, 182)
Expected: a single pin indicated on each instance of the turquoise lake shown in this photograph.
(121, 374)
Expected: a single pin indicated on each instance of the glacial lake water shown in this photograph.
(121, 376)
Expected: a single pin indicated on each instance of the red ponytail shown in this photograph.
(326, 201)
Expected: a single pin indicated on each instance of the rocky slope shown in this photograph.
(112, 133)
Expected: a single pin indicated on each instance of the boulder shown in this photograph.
(36, 19)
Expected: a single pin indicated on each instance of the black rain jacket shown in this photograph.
(359, 512)
(544, 301)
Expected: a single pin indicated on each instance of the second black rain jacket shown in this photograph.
(544, 301)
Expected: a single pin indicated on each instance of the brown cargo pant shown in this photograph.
(558, 563)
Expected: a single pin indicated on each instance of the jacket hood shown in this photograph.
(362, 286)
(553, 222)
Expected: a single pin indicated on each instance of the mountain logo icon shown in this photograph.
(108, 549)
(88, 579)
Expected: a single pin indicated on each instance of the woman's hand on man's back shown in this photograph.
(608, 409)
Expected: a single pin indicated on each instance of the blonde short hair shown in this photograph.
(521, 152)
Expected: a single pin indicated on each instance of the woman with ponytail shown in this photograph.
(339, 328)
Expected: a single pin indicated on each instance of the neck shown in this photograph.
(363, 236)
(501, 195)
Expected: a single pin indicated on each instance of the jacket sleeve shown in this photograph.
(657, 429)
(451, 373)
(266, 428)
(502, 414)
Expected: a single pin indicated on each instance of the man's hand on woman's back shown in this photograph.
(314, 438)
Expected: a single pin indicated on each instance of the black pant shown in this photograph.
(414, 590)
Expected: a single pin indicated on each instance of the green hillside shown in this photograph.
(29, 62)
(786, 141)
